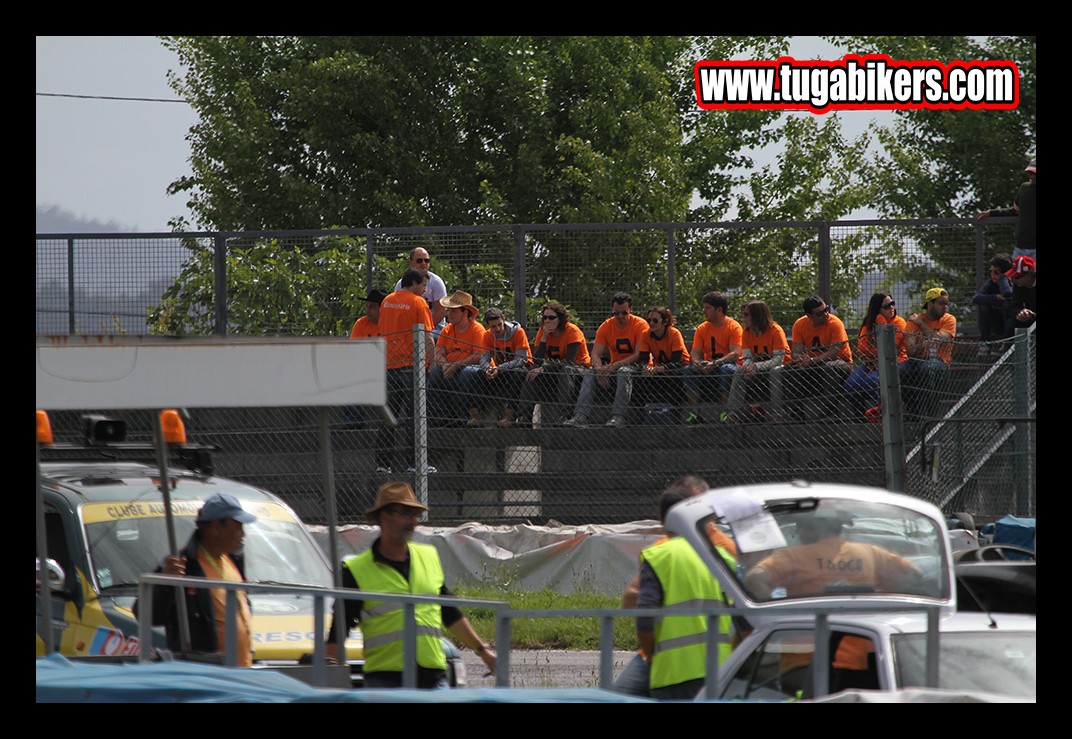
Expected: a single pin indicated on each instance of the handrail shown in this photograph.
(503, 616)
(409, 622)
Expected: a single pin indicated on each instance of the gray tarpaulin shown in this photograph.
(566, 559)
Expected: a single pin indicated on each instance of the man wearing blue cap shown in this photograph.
(211, 552)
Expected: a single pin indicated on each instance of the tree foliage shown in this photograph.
(303, 132)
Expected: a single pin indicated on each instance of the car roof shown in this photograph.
(89, 482)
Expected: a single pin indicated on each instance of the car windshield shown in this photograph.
(807, 548)
(1001, 662)
(127, 540)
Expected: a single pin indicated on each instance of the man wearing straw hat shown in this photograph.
(396, 564)
(456, 364)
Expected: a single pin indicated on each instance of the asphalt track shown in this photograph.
(545, 668)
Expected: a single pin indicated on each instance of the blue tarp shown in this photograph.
(60, 680)
(1017, 531)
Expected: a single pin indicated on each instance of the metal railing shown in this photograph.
(504, 615)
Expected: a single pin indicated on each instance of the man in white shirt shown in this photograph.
(436, 289)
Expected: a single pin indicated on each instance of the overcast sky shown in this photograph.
(112, 160)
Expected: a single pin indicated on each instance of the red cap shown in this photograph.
(1021, 265)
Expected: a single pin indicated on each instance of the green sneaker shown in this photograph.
(693, 419)
(723, 416)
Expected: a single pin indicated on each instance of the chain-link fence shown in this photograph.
(961, 436)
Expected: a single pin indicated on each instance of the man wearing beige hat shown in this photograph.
(456, 364)
(929, 337)
(396, 564)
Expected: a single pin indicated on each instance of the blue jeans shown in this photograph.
(452, 399)
(721, 378)
(621, 383)
(923, 380)
(861, 389)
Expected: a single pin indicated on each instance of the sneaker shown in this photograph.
(694, 419)
(429, 469)
(616, 421)
(381, 470)
(576, 421)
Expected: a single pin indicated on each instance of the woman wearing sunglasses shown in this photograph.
(861, 387)
(560, 357)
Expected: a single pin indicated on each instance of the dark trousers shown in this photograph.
(553, 389)
(400, 401)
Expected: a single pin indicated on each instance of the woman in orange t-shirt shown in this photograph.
(861, 387)
(663, 355)
(560, 358)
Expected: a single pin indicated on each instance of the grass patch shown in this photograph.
(549, 633)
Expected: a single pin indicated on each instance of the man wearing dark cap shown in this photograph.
(367, 326)
(1024, 208)
(211, 552)
(397, 564)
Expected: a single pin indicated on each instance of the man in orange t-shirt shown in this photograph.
(614, 360)
(716, 352)
(399, 313)
(821, 362)
(507, 358)
(929, 337)
(365, 327)
(456, 364)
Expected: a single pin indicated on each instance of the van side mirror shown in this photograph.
(56, 576)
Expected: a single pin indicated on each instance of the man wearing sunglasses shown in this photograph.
(929, 338)
(614, 355)
(822, 361)
(435, 290)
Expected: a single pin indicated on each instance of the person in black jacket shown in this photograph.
(212, 553)
(1024, 208)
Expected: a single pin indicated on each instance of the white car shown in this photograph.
(978, 653)
(877, 566)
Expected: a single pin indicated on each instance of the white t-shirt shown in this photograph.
(435, 290)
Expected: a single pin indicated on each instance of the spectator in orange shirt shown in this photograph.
(929, 338)
(456, 364)
(821, 362)
(506, 360)
(716, 350)
(561, 356)
(399, 313)
(861, 387)
(764, 351)
(614, 360)
(365, 327)
(663, 356)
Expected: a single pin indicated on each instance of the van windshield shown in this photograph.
(127, 540)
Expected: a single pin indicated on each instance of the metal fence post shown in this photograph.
(420, 414)
(893, 444)
(220, 255)
(1022, 461)
(519, 275)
